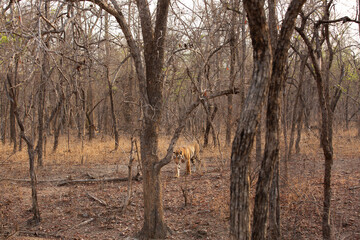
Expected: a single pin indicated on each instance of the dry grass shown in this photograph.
(65, 209)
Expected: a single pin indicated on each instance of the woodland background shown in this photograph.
(70, 102)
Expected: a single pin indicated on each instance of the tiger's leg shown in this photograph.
(193, 163)
(177, 163)
(188, 166)
(177, 169)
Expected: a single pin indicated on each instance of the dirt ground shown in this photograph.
(94, 210)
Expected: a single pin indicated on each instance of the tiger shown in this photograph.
(189, 154)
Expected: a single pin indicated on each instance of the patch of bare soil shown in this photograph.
(195, 207)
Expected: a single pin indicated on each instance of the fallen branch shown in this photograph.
(63, 182)
(28, 180)
(40, 234)
(353, 188)
(79, 181)
(96, 199)
(84, 222)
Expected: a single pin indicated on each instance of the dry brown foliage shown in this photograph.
(69, 213)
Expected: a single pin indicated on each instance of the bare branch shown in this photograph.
(167, 159)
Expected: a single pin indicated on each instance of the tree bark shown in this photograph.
(110, 86)
(271, 155)
(12, 117)
(258, 140)
(245, 133)
(326, 112)
(44, 75)
(233, 52)
(274, 195)
(296, 109)
(209, 124)
(35, 206)
(4, 108)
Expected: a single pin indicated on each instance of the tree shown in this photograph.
(320, 71)
(271, 154)
(30, 145)
(243, 141)
(233, 51)
(244, 136)
(150, 79)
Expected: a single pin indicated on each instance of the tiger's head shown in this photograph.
(179, 155)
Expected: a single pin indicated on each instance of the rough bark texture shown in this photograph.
(245, 133)
(258, 147)
(271, 155)
(274, 195)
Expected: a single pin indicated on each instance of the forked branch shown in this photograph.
(167, 159)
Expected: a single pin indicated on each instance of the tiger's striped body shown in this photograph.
(189, 154)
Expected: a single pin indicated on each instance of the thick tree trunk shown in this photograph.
(274, 195)
(154, 223)
(258, 139)
(271, 155)
(245, 133)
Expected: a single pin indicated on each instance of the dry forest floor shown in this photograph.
(94, 210)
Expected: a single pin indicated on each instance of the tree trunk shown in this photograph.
(107, 49)
(245, 133)
(44, 75)
(243, 59)
(89, 109)
(297, 107)
(326, 114)
(41, 108)
(12, 118)
(209, 125)
(35, 207)
(233, 50)
(299, 127)
(271, 155)
(258, 147)
(285, 135)
(59, 120)
(154, 224)
(4, 110)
